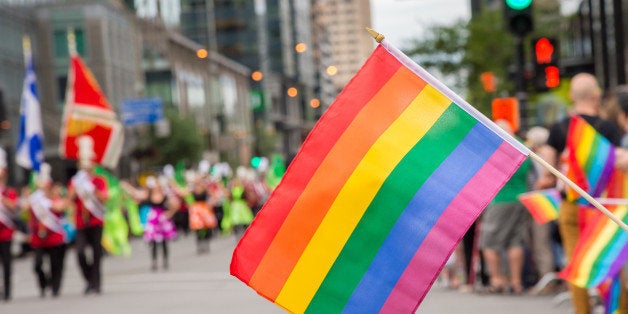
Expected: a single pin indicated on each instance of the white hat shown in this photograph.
(203, 167)
(43, 177)
(168, 171)
(86, 153)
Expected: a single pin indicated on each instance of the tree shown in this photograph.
(462, 51)
(442, 50)
(184, 143)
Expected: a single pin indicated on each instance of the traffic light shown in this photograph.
(547, 73)
(518, 15)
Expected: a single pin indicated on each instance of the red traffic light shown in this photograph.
(552, 76)
(544, 51)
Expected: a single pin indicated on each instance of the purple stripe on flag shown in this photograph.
(427, 262)
(605, 176)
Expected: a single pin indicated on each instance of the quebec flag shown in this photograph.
(29, 152)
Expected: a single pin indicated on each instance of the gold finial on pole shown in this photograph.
(71, 41)
(26, 43)
(377, 36)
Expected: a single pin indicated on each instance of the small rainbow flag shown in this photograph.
(600, 252)
(591, 158)
(382, 190)
(543, 205)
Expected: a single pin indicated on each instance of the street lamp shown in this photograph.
(257, 76)
(315, 103)
(300, 47)
(292, 92)
(332, 70)
(201, 53)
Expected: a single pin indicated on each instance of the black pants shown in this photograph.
(56, 256)
(164, 246)
(5, 257)
(90, 236)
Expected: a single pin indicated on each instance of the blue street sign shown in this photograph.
(141, 111)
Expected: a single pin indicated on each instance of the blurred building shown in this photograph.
(211, 88)
(130, 57)
(263, 35)
(350, 45)
(106, 39)
(596, 41)
(14, 24)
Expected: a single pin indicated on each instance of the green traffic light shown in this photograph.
(518, 4)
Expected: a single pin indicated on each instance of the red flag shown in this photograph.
(87, 112)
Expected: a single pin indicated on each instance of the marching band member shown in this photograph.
(47, 232)
(88, 192)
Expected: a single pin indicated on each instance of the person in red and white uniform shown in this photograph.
(8, 205)
(47, 232)
(88, 193)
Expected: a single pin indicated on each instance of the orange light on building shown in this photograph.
(293, 92)
(5, 125)
(257, 76)
(332, 70)
(201, 53)
(315, 103)
(300, 47)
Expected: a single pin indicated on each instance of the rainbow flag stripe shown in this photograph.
(383, 188)
(600, 252)
(591, 158)
(543, 205)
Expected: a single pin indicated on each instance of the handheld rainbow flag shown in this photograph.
(383, 188)
(610, 291)
(543, 205)
(591, 158)
(87, 112)
(601, 251)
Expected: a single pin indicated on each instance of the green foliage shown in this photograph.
(266, 143)
(463, 50)
(490, 47)
(442, 49)
(184, 143)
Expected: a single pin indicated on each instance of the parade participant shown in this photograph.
(88, 192)
(238, 214)
(504, 226)
(159, 227)
(48, 233)
(585, 94)
(8, 204)
(202, 218)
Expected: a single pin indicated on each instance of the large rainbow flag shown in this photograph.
(591, 158)
(543, 204)
(87, 112)
(382, 190)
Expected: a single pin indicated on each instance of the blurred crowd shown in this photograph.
(507, 252)
(96, 214)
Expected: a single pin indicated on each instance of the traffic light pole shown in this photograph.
(520, 87)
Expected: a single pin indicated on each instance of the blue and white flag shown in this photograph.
(31, 138)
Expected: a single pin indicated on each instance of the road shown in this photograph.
(202, 284)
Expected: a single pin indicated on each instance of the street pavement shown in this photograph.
(202, 284)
